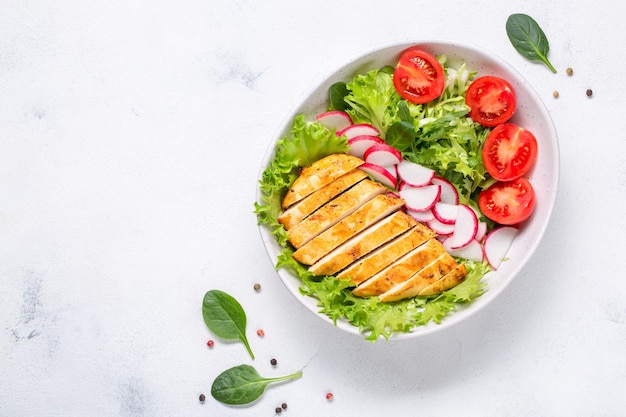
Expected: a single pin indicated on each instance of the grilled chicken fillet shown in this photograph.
(319, 174)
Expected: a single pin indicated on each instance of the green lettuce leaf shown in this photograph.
(307, 142)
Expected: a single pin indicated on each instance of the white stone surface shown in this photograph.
(131, 136)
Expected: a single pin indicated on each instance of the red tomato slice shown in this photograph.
(508, 202)
(418, 77)
(491, 100)
(509, 152)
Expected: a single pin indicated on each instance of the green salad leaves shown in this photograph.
(438, 135)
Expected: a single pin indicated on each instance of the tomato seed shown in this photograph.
(210, 343)
(202, 398)
(260, 333)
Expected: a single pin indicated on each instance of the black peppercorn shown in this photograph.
(202, 398)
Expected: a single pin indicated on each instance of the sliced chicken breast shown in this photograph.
(449, 280)
(364, 242)
(401, 270)
(319, 174)
(334, 211)
(422, 279)
(369, 213)
(294, 214)
(382, 257)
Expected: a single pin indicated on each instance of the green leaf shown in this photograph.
(336, 94)
(400, 135)
(528, 38)
(242, 384)
(225, 317)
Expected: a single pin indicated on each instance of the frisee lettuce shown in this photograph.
(440, 135)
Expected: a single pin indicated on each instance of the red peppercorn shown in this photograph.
(210, 343)
(260, 333)
(329, 396)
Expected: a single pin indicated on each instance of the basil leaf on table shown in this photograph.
(528, 38)
(242, 384)
(225, 317)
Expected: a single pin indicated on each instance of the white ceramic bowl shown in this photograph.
(531, 113)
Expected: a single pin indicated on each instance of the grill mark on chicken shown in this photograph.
(318, 175)
(401, 270)
(300, 210)
(369, 213)
(334, 211)
(420, 280)
(363, 243)
(386, 254)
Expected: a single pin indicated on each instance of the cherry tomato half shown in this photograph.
(418, 77)
(508, 202)
(491, 100)
(509, 152)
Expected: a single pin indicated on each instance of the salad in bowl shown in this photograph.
(409, 188)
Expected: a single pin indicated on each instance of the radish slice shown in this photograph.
(415, 174)
(420, 198)
(465, 227)
(380, 174)
(440, 228)
(445, 212)
(359, 129)
(334, 119)
(421, 216)
(481, 232)
(382, 154)
(497, 244)
(473, 251)
(449, 193)
(359, 144)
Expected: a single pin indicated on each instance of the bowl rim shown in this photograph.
(464, 311)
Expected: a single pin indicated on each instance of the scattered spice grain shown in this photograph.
(283, 406)
(202, 398)
(555, 94)
(273, 361)
(278, 410)
(260, 333)
(569, 71)
(257, 287)
(210, 343)
(589, 92)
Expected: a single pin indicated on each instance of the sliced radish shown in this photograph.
(380, 174)
(440, 228)
(359, 144)
(473, 251)
(359, 129)
(449, 193)
(465, 227)
(421, 216)
(420, 198)
(382, 154)
(334, 119)
(481, 232)
(445, 212)
(497, 244)
(415, 174)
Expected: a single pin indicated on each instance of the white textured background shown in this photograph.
(131, 137)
